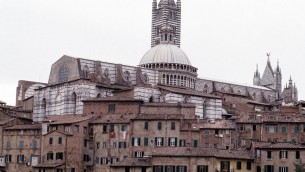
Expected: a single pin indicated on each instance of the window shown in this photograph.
(284, 130)
(173, 126)
(77, 128)
(136, 141)
(34, 144)
(145, 125)
(241, 128)
(248, 165)
(202, 168)
(283, 169)
(269, 154)
(63, 74)
(181, 169)
(159, 125)
(113, 145)
(104, 160)
(20, 159)
(21, 132)
(123, 127)
(254, 127)
(122, 145)
(85, 130)
(158, 168)
(104, 145)
(111, 129)
(182, 143)
(296, 129)
(104, 128)
(169, 168)
(238, 165)
(139, 154)
(59, 156)
(50, 156)
(67, 129)
(50, 140)
(8, 145)
(172, 141)
(258, 153)
(269, 168)
(159, 141)
(145, 141)
(8, 158)
(271, 128)
(297, 155)
(283, 154)
(97, 145)
(59, 140)
(20, 144)
(111, 108)
(195, 143)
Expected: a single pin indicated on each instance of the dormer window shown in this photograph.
(63, 74)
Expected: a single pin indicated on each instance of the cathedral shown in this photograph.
(164, 74)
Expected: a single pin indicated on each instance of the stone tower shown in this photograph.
(166, 14)
(257, 77)
(278, 79)
(290, 93)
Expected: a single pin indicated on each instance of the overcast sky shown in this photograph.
(225, 39)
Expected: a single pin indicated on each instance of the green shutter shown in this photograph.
(238, 165)
(145, 141)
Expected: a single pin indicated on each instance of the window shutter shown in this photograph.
(180, 143)
(286, 154)
(132, 142)
(139, 141)
(176, 141)
(155, 141)
(169, 141)
(280, 154)
(162, 143)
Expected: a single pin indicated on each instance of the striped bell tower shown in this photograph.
(166, 14)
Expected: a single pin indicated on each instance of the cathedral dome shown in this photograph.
(165, 53)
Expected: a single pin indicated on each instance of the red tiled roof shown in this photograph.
(25, 127)
(113, 119)
(65, 119)
(134, 162)
(159, 116)
(201, 152)
(270, 145)
(48, 165)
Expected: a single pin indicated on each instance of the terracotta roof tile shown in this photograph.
(159, 116)
(138, 162)
(65, 119)
(25, 127)
(114, 119)
(270, 145)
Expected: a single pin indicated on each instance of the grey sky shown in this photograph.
(224, 39)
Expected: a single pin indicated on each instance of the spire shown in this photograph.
(256, 78)
(290, 82)
(268, 55)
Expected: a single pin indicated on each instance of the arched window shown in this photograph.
(85, 71)
(254, 96)
(43, 106)
(170, 37)
(98, 95)
(127, 76)
(205, 89)
(73, 103)
(63, 74)
(165, 37)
